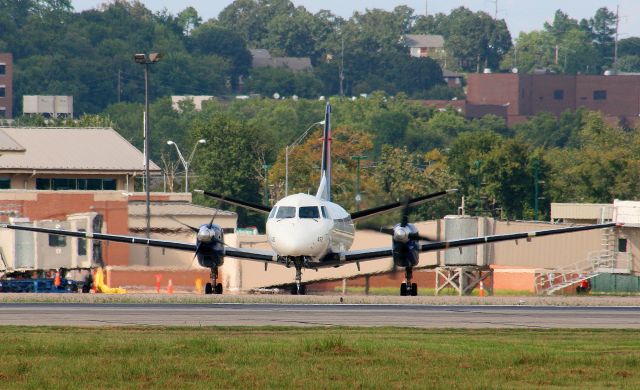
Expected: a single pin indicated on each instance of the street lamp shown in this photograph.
(145, 60)
(288, 149)
(358, 197)
(185, 163)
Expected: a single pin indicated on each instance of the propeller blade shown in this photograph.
(405, 213)
(194, 229)
(417, 236)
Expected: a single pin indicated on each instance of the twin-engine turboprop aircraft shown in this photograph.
(307, 231)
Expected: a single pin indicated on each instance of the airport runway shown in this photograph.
(421, 316)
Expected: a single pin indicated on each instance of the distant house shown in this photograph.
(423, 45)
(197, 101)
(453, 79)
(261, 58)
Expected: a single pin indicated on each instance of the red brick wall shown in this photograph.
(7, 81)
(498, 89)
(623, 94)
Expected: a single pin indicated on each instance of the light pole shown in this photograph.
(145, 60)
(358, 197)
(288, 149)
(186, 163)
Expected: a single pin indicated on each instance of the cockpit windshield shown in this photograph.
(309, 212)
(286, 212)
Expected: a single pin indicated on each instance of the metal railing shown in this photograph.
(597, 262)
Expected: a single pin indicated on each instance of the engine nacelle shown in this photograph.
(405, 249)
(210, 247)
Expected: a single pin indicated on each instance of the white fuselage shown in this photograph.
(303, 225)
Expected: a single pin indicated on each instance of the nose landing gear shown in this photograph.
(408, 288)
(215, 287)
(299, 288)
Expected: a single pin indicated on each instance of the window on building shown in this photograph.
(82, 244)
(622, 245)
(3, 112)
(600, 95)
(57, 241)
(61, 183)
(558, 94)
(5, 183)
(2, 91)
(43, 184)
(3, 68)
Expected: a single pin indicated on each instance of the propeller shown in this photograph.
(404, 234)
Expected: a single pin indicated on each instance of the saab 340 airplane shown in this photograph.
(312, 232)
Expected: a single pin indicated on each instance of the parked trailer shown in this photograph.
(40, 285)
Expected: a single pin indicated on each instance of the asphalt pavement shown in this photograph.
(261, 314)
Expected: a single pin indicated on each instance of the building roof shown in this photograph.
(9, 145)
(261, 58)
(176, 209)
(447, 73)
(260, 53)
(70, 149)
(423, 40)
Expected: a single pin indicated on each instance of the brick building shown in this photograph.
(6, 86)
(524, 95)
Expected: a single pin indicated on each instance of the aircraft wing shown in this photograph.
(377, 253)
(241, 253)
(358, 215)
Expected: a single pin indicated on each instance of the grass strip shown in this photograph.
(316, 358)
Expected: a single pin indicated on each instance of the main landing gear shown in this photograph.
(408, 288)
(213, 288)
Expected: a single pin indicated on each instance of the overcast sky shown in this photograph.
(521, 15)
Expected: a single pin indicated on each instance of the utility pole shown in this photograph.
(536, 170)
(119, 84)
(478, 184)
(266, 183)
(615, 43)
(358, 196)
(341, 65)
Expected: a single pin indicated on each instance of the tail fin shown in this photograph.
(324, 190)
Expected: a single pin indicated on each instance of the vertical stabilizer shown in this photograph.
(324, 190)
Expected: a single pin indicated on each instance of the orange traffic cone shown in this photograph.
(56, 279)
(170, 287)
(481, 289)
(158, 280)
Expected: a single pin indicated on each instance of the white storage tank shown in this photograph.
(460, 226)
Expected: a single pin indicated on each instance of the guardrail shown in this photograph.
(597, 262)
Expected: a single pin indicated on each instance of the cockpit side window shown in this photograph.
(286, 212)
(309, 212)
(325, 214)
(273, 212)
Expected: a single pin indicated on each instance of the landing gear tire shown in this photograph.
(414, 289)
(302, 291)
(218, 288)
(208, 289)
(403, 290)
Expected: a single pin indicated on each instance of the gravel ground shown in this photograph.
(323, 299)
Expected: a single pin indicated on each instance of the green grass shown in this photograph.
(316, 358)
(394, 291)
